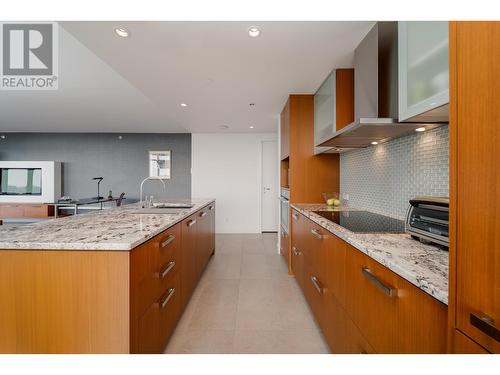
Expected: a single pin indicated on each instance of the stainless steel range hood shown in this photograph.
(376, 93)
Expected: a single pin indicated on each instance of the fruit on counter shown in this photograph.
(336, 202)
(331, 201)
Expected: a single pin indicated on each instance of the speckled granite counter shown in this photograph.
(113, 229)
(424, 266)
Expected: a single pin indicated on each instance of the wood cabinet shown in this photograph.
(285, 132)
(474, 182)
(307, 175)
(360, 305)
(25, 210)
(333, 106)
(372, 300)
(211, 228)
(106, 301)
(189, 230)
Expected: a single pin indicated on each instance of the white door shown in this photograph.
(270, 178)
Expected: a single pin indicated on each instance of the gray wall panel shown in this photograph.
(123, 163)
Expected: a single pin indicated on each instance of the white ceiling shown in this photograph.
(136, 84)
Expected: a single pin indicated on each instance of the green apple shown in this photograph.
(331, 201)
(336, 202)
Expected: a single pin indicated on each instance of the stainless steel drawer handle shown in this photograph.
(316, 284)
(317, 234)
(167, 269)
(211, 208)
(167, 241)
(486, 325)
(203, 214)
(191, 223)
(296, 251)
(167, 298)
(295, 216)
(379, 284)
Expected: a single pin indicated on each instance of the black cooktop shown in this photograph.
(364, 221)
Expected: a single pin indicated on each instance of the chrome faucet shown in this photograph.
(142, 183)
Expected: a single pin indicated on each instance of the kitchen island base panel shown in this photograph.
(64, 301)
(103, 301)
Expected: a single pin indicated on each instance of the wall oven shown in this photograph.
(285, 209)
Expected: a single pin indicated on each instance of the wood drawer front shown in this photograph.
(166, 259)
(367, 302)
(158, 322)
(296, 253)
(422, 321)
(167, 245)
(11, 211)
(36, 211)
(461, 344)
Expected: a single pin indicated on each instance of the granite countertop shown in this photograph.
(425, 266)
(112, 229)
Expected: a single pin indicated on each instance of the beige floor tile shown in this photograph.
(252, 341)
(202, 341)
(247, 303)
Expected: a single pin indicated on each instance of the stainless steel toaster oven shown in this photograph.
(427, 219)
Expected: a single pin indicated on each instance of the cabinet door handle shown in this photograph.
(167, 241)
(317, 234)
(167, 269)
(296, 251)
(211, 208)
(168, 296)
(316, 284)
(191, 223)
(295, 216)
(388, 291)
(203, 214)
(486, 325)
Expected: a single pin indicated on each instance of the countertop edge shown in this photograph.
(89, 246)
(437, 293)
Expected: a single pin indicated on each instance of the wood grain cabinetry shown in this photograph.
(25, 210)
(82, 301)
(474, 182)
(372, 301)
(189, 230)
(360, 305)
(285, 132)
(307, 175)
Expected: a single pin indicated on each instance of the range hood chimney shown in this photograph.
(375, 93)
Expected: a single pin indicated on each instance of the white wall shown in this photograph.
(227, 167)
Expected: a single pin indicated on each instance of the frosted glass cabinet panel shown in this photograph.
(423, 67)
(324, 110)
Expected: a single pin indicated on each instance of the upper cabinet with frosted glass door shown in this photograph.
(423, 71)
(333, 106)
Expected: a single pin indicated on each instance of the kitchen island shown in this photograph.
(115, 281)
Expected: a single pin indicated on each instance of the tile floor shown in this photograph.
(247, 303)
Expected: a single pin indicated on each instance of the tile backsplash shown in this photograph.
(385, 177)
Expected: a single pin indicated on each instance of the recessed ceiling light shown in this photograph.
(253, 32)
(121, 31)
(374, 143)
(422, 129)
(251, 126)
(2, 136)
(184, 105)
